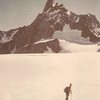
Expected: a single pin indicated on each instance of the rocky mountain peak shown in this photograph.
(53, 18)
(48, 5)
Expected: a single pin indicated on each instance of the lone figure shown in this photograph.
(68, 91)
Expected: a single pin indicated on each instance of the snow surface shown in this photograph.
(43, 41)
(68, 47)
(44, 77)
(5, 38)
(78, 48)
(13, 51)
(69, 13)
(77, 20)
(97, 32)
(49, 50)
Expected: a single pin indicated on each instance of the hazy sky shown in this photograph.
(16, 13)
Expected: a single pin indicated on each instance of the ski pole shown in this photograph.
(71, 96)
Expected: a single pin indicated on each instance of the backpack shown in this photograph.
(67, 90)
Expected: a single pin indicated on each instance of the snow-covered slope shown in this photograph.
(64, 46)
(44, 77)
(78, 48)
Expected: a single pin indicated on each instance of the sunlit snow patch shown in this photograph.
(77, 48)
(6, 38)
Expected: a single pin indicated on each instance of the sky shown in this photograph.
(17, 13)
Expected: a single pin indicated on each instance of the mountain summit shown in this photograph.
(37, 37)
(49, 4)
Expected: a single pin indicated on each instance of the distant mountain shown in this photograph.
(53, 18)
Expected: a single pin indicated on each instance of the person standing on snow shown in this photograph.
(68, 91)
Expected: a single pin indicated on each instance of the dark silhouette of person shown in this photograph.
(68, 91)
(48, 5)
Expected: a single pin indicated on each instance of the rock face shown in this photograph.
(48, 5)
(53, 18)
(88, 25)
(52, 45)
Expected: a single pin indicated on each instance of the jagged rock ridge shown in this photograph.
(53, 18)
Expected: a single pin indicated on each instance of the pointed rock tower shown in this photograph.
(48, 5)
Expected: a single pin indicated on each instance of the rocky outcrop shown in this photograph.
(52, 45)
(88, 25)
(53, 18)
(48, 5)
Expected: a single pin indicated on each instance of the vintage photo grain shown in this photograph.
(49, 50)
